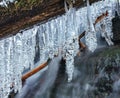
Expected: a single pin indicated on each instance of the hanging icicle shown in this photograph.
(17, 53)
(68, 4)
(2, 71)
(70, 43)
(90, 36)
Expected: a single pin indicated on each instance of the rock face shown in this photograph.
(96, 75)
(102, 70)
(25, 14)
(116, 29)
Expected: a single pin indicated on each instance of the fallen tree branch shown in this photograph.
(32, 72)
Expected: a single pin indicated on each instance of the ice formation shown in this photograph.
(68, 4)
(5, 3)
(90, 36)
(105, 25)
(59, 35)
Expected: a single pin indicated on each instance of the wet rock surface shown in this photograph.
(116, 29)
(96, 75)
(104, 68)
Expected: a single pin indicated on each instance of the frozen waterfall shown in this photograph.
(59, 35)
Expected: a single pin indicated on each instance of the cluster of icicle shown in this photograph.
(57, 35)
(104, 26)
(16, 54)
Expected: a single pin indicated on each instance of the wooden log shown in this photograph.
(82, 34)
(101, 17)
(32, 72)
(82, 46)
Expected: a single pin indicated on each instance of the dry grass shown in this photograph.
(19, 5)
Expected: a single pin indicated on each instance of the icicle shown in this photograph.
(70, 44)
(7, 45)
(68, 4)
(66, 8)
(26, 48)
(41, 44)
(32, 47)
(90, 36)
(2, 70)
(17, 51)
(56, 36)
(47, 39)
(51, 47)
